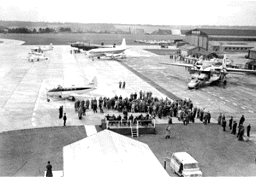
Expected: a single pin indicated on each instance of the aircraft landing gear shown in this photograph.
(48, 100)
(73, 98)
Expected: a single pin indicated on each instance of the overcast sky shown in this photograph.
(157, 12)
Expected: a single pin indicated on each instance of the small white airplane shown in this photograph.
(108, 52)
(37, 53)
(71, 92)
(38, 50)
(32, 57)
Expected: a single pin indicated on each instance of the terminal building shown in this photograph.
(208, 41)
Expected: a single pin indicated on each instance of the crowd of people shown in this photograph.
(144, 102)
(143, 107)
(236, 129)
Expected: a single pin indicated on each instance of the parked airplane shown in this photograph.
(37, 53)
(71, 92)
(108, 52)
(87, 46)
(38, 50)
(32, 57)
(209, 74)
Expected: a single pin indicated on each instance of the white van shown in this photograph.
(185, 165)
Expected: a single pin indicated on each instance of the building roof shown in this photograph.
(162, 32)
(225, 32)
(253, 49)
(187, 47)
(110, 154)
(251, 62)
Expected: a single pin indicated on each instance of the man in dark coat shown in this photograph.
(224, 123)
(60, 112)
(65, 119)
(241, 133)
(241, 121)
(209, 117)
(219, 119)
(49, 170)
(120, 84)
(230, 123)
(234, 128)
(124, 85)
(248, 129)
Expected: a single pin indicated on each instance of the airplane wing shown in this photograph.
(241, 70)
(179, 64)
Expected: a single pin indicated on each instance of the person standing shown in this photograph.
(49, 170)
(230, 123)
(168, 132)
(124, 85)
(241, 133)
(168, 128)
(224, 123)
(234, 128)
(241, 121)
(120, 84)
(60, 112)
(219, 119)
(248, 129)
(65, 119)
(209, 117)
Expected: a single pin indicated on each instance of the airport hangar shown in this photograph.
(209, 42)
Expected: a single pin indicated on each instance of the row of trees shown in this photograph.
(40, 30)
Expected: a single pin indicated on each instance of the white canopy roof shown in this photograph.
(110, 154)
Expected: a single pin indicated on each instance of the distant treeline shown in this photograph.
(34, 30)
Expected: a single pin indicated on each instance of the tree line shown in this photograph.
(34, 30)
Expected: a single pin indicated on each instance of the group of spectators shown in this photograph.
(236, 129)
(144, 102)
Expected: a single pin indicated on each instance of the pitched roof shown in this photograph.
(227, 32)
(187, 47)
(162, 32)
(253, 49)
(110, 154)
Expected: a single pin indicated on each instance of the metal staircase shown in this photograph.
(134, 130)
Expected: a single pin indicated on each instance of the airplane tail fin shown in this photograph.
(224, 61)
(123, 45)
(94, 82)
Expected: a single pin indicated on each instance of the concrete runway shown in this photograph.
(237, 99)
(24, 85)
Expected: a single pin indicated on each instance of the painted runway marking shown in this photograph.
(34, 124)
(90, 129)
(235, 104)
(242, 107)
(250, 111)
(227, 100)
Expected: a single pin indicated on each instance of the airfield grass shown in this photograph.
(26, 152)
(66, 38)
